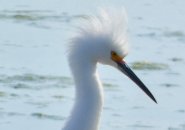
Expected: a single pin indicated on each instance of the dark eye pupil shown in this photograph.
(114, 53)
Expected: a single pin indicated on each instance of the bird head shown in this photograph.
(103, 39)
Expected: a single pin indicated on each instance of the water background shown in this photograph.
(36, 88)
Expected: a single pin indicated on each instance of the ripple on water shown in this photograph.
(182, 111)
(3, 94)
(23, 80)
(30, 86)
(34, 17)
(146, 65)
(176, 59)
(137, 107)
(41, 104)
(163, 33)
(141, 126)
(173, 33)
(27, 15)
(10, 114)
(46, 116)
(58, 97)
(109, 85)
(169, 85)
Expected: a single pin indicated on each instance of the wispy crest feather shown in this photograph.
(109, 24)
(112, 22)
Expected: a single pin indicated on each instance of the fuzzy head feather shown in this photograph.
(99, 35)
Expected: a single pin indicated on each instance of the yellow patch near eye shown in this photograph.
(115, 57)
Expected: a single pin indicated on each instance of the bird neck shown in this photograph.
(89, 98)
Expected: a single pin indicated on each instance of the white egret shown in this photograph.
(102, 39)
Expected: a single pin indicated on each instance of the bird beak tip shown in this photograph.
(128, 72)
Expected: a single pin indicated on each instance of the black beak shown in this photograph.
(126, 70)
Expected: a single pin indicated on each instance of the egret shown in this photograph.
(101, 39)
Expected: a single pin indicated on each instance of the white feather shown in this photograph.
(108, 29)
(93, 43)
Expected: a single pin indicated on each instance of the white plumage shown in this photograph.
(100, 39)
(102, 33)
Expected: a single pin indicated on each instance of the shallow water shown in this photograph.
(36, 88)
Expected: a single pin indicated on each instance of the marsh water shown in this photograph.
(36, 86)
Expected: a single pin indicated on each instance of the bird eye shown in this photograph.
(115, 57)
(113, 53)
